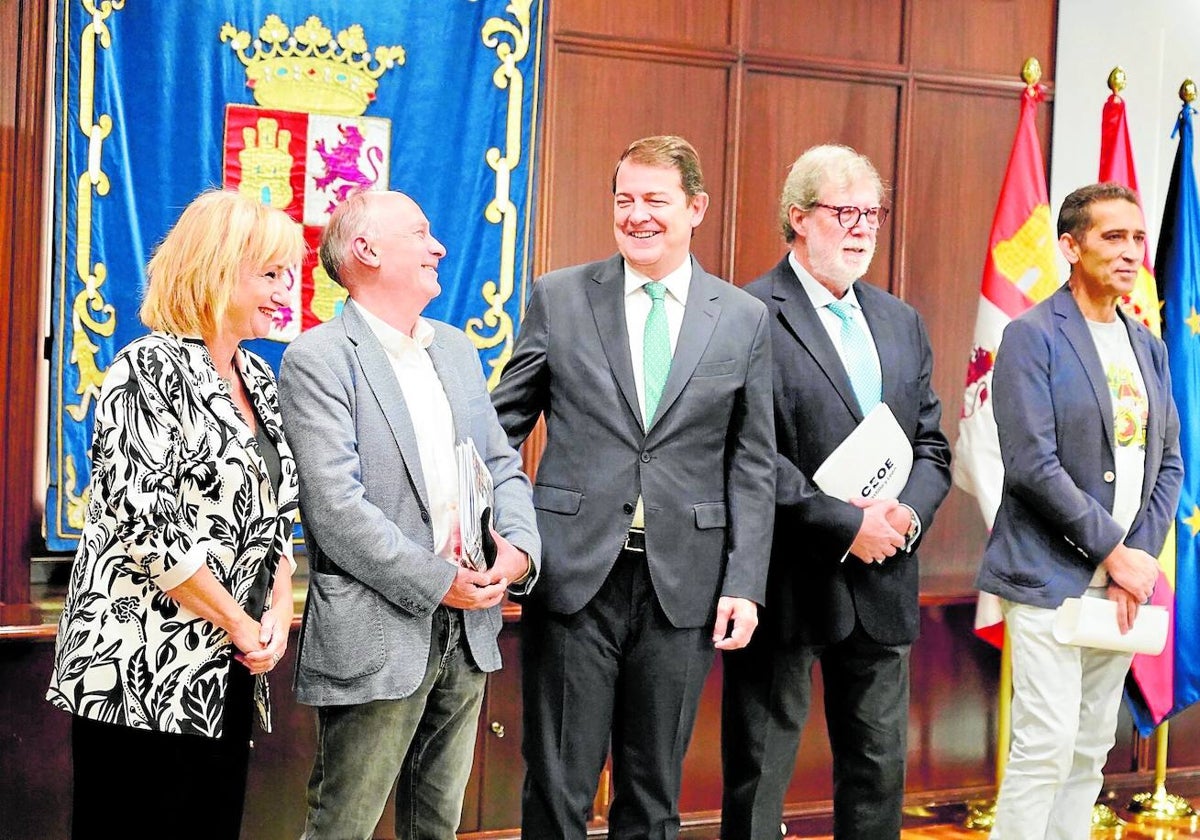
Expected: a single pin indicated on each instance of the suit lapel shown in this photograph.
(381, 378)
(699, 320)
(1156, 402)
(883, 335)
(452, 385)
(801, 320)
(1080, 338)
(606, 296)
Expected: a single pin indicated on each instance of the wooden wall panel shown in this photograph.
(706, 23)
(600, 105)
(957, 165)
(783, 115)
(23, 28)
(852, 30)
(982, 36)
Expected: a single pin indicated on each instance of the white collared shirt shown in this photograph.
(637, 309)
(820, 297)
(432, 419)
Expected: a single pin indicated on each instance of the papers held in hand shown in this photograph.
(873, 462)
(475, 500)
(1092, 622)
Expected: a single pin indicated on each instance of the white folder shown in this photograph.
(873, 462)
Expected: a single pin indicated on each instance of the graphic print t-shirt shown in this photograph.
(1130, 414)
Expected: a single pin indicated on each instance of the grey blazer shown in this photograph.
(1055, 417)
(705, 467)
(363, 503)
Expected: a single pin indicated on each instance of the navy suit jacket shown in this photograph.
(813, 597)
(1054, 413)
(704, 467)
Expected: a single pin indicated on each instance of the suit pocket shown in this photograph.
(556, 499)
(710, 515)
(343, 636)
(715, 368)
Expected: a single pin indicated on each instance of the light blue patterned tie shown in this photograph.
(656, 348)
(858, 358)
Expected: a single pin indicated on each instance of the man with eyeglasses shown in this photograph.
(842, 587)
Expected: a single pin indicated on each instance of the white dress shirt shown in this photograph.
(433, 422)
(821, 298)
(637, 309)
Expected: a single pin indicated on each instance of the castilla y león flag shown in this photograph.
(1019, 271)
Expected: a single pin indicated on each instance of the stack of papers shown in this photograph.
(475, 501)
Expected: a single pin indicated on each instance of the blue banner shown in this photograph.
(1178, 262)
(295, 103)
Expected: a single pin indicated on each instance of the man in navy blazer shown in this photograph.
(1089, 437)
(654, 501)
(843, 579)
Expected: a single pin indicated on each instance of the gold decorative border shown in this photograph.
(496, 34)
(91, 315)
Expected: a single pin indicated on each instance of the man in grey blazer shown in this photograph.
(654, 497)
(1089, 437)
(397, 636)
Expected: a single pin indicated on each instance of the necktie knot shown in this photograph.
(656, 290)
(843, 309)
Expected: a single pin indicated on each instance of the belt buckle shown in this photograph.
(635, 541)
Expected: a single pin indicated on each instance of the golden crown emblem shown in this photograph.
(308, 68)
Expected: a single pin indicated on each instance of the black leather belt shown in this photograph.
(635, 541)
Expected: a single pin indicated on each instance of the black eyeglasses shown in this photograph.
(849, 216)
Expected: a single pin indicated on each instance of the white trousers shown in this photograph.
(1064, 721)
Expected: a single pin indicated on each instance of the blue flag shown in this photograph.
(1178, 262)
(295, 103)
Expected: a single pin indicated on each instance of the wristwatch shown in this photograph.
(914, 528)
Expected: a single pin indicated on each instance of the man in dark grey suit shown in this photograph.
(1089, 436)
(397, 636)
(843, 581)
(654, 498)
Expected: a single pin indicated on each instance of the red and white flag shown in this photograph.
(1019, 271)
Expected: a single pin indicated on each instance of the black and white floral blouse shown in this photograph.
(177, 481)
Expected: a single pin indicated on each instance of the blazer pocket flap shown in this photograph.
(556, 499)
(716, 368)
(710, 515)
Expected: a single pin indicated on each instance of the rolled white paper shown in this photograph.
(1092, 622)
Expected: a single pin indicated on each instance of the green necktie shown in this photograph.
(859, 360)
(656, 348)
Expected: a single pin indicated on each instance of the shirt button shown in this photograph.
(645, 457)
(1109, 476)
(424, 516)
(627, 507)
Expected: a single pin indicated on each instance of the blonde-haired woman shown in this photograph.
(180, 597)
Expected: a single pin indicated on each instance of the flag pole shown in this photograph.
(981, 814)
(1160, 806)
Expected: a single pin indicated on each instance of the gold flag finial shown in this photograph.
(1187, 91)
(1031, 71)
(1116, 80)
